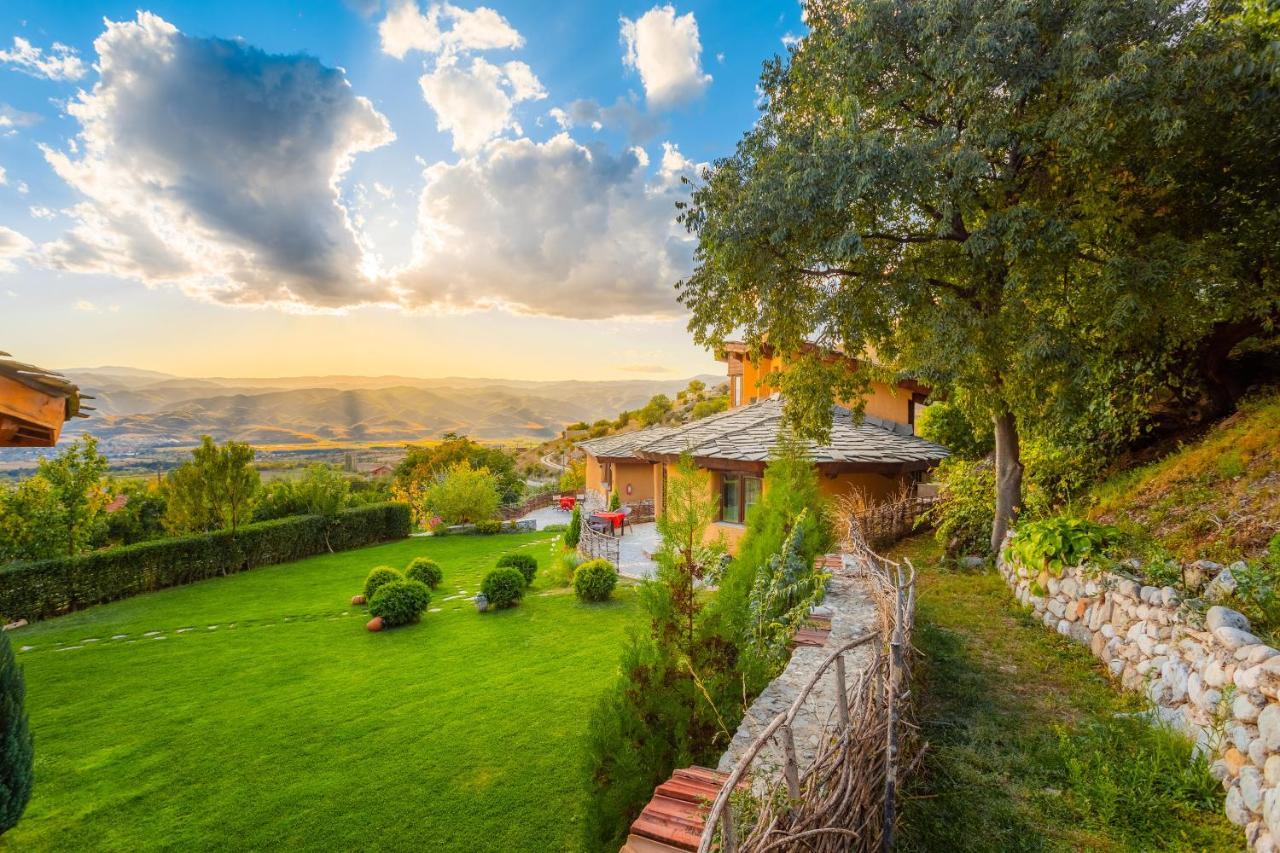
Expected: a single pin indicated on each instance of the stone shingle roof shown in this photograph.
(749, 433)
(624, 444)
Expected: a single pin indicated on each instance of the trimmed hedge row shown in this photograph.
(49, 587)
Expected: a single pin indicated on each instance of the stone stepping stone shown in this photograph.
(68, 648)
(26, 648)
(119, 636)
(150, 633)
(434, 610)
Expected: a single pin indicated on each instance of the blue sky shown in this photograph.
(417, 188)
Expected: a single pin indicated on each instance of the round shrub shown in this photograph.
(400, 602)
(424, 570)
(489, 527)
(526, 564)
(594, 580)
(378, 577)
(503, 587)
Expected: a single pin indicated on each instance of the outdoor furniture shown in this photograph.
(567, 502)
(626, 517)
(615, 519)
(599, 525)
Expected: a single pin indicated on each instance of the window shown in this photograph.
(738, 494)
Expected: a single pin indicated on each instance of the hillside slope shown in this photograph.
(1217, 498)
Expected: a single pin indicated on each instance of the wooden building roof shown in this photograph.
(34, 404)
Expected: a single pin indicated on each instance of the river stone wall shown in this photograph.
(1204, 672)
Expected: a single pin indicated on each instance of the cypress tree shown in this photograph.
(16, 751)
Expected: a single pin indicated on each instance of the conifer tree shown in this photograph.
(16, 751)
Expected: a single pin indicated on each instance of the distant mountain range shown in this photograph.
(138, 410)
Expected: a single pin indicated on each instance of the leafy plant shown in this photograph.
(562, 567)
(615, 501)
(488, 527)
(378, 577)
(524, 563)
(1258, 588)
(465, 494)
(1053, 544)
(781, 598)
(964, 512)
(574, 533)
(594, 580)
(400, 602)
(424, 570)
(503, 587)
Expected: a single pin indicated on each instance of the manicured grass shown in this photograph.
(267, 717)
(1025, 750)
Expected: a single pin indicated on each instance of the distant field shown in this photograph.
(263, 715)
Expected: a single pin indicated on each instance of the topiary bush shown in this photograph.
(526, 564)
(400, 602)
(425, 571)
(489, 527)
(594, 580)
(379, 576)
(503, 587)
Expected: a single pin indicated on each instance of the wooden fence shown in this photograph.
(884, 524)
(845, 799)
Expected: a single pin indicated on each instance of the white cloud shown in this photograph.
(22, 187)
(214, 165)
(60, 63)
(444, 28)
(622, 115)
(553, 228)
(85, 305)
(12, 247)
(3, 177)
(39, 211)
(665, 49)
(474, 102)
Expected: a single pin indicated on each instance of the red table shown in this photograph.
(567, 502)
(614, 518)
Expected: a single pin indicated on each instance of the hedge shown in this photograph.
(47, 588)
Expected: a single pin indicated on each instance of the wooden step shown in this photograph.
(810, 637)
(676, 815)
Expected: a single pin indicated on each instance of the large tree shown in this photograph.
(424, 464)
(910, 192)
(216, 489)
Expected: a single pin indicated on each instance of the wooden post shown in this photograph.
(791, 766)
(842, 692)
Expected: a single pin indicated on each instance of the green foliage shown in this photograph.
(706, 408)
(615, 501)
(379, 577)
(47, 588)
(781, 598)
(424, 570)
(58, 511)
(489, 526)
(29, 521)
(400, 602)
(573, 478)
(564, 565)
(655, 410)
(463, 495)
(141, 519)
(594, 580)
(574, 533)
(963, 514)
(215, 490)
(523, 562)
(791, 495)
(1053, 544)
(426, 464)
(503, 587)
(1257, 593)
(16, 748)
(946, 423)
(1057, 475)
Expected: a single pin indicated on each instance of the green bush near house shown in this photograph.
(400, 602)
(379, 577)
(526, 564)
(594, 580)
(574, 533)
(503, 587)
(46, 588)
(424, 570)
(966, 506)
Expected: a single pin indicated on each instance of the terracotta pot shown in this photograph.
(357, 599)
(374, 624)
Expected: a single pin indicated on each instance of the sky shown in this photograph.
(363, 187)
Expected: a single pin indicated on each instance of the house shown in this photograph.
(878, 454)
(34, 404)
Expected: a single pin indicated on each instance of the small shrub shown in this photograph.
(503, 587)
(488, 527)
(1257, 593)
(574, 533)
(594, 580)
(400, 602)
(425, 571)
(1053, 544)
(526, 564)
(562, 568)
(377, 578)
(966, 507)
(615, 501)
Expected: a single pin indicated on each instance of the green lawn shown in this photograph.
(264, 715)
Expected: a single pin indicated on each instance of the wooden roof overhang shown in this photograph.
(827, 469)
(34, 404)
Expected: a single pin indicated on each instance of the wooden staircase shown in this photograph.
(675, 817)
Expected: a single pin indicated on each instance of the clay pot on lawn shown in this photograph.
(374, 624)
(357, 599)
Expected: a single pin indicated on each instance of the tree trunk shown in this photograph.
(1008, 477)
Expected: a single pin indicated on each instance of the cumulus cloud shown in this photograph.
(60, 63)
(556, 228)
(444, 28)
(473, 101)
(4, 179)
(12, 247)
(11, 119)
(665, 49)
(213, 165)
(623, 115)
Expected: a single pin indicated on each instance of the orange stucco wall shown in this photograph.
(638, 475)
(882, 400)
(595, 475)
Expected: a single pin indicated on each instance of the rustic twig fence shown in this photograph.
(886, 523)
(594, 545)
(845, 799)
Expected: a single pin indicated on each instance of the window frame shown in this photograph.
(739, 481)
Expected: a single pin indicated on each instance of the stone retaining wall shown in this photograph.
(1205, 673)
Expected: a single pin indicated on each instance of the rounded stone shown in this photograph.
(1233, 638)
(1251, 788)
(1224, 617)
(1269, 726)
(1245, 709)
